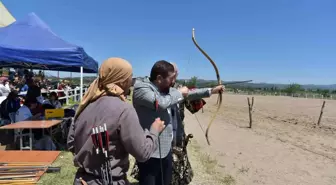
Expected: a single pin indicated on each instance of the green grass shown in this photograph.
(68, 171)
(67, 174)
(72, 102)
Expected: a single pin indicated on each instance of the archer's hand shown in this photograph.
(184, 90)
(158, 125)
(218, 89)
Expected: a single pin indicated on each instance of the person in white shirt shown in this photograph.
(4, 88)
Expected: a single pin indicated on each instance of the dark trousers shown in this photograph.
(150, 171)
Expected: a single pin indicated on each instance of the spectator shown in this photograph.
(9, 107)
(25, 111)
(4, 87)
(53, 100)
(23, 86)
(26, 74)
(61, 90)
(11, 76)
(20, 72)
(41, 75)
(34, 91)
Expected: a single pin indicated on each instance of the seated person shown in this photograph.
(23, 87)
(53, 100)
(25, 111)
(24, 114)
(9, 107)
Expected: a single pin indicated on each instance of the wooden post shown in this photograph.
(321, 113)
(250, 106)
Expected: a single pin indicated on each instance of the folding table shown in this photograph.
(41, 124)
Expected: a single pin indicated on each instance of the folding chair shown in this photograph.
(18, 134)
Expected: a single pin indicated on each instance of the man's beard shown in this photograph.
(165, 90)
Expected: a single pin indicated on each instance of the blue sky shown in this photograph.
(275, 41)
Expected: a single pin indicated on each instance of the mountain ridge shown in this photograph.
(269, 85)
(250, 84)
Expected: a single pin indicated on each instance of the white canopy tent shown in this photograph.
(6, 18)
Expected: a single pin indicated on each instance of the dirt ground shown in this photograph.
(284, 146)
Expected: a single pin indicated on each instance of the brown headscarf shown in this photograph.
(113, 78)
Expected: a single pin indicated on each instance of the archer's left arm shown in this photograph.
(204, 92)
(197, 94)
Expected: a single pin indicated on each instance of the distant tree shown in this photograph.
(180, 81)
(274, 89)
(325, 93)
(293, 89)
(211, 84)
(250, 89)
(192, 82)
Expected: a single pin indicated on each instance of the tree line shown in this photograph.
(290, 90)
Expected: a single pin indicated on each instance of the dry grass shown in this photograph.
(208, 168)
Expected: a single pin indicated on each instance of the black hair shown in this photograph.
(30, 101)
(13, 94)
(47, 106)
(54, 94)
(162, 68)
(29, 82)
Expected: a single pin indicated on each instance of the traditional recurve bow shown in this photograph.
(218, 81)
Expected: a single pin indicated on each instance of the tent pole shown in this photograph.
(81, 83)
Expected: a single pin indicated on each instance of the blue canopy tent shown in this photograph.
(30, 43)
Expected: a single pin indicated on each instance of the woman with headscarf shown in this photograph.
(105, 103)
